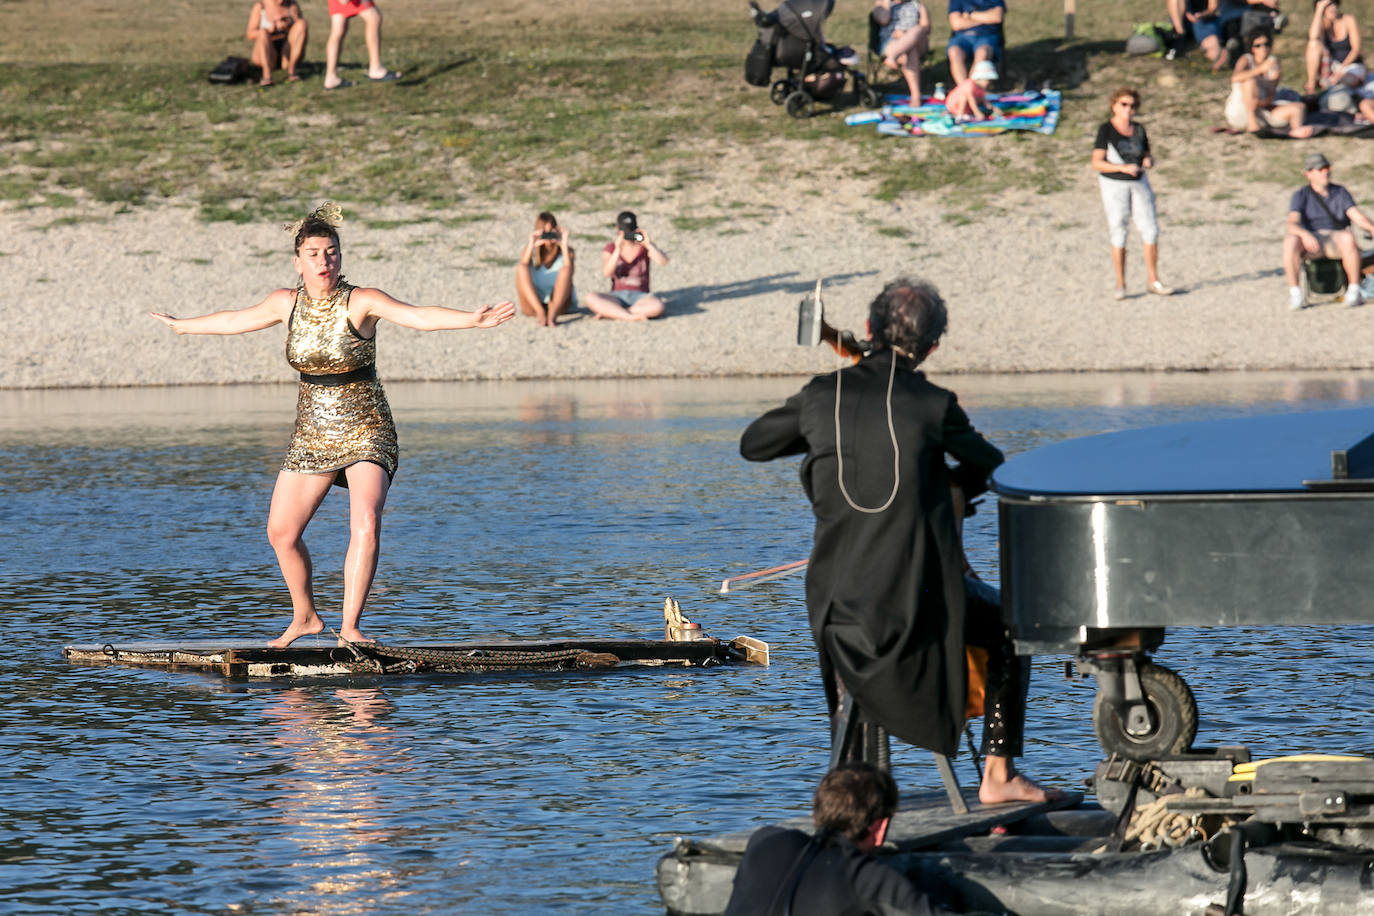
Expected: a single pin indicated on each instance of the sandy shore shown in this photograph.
(1029, 286)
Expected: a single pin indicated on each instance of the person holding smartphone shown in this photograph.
(544, 276)
(625, 262)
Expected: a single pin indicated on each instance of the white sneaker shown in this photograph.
(1352, 296)
(1295, 298)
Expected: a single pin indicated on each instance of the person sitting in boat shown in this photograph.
(1319, 218)
(885, 588)
(787, 870)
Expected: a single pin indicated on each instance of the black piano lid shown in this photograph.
(1265, 454)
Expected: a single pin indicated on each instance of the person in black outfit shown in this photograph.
(885, 589)
(786, 871)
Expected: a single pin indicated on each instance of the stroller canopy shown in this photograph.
(802, 18)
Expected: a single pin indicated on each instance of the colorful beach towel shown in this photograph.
(1034, 111)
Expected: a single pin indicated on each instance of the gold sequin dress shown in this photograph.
(342, 416)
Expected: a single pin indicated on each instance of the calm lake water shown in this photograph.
(539, 509)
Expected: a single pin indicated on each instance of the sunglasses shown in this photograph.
(1260, 44)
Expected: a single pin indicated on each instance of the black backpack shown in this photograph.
(230, 70)
(758, 64)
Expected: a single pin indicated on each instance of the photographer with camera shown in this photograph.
(626, 263)
(544, 276)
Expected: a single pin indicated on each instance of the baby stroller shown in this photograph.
(790, 37)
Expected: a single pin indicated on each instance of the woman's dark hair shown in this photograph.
(315, 228)
(908, 315)
(546, 218)
(1251, 36)
(852, 797)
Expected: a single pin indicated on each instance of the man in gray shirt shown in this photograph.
(1319, 218)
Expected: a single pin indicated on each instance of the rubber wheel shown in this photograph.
(870, 97)
(1173, 718)
(799, 104)
(781, 89)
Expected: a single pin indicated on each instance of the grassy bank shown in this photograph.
(562, 104)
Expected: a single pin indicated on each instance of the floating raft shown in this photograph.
(318, 657)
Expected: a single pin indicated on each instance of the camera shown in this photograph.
(635, 236)
(550, 236)
(812, 329)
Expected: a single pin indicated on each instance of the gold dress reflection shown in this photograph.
(336, 424)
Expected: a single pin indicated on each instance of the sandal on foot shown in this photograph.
(390, 76)
(342, 84)
(1159, 289)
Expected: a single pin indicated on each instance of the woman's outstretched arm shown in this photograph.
(275, 309)
(367, 306)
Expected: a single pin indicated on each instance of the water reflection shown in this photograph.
(534, 509)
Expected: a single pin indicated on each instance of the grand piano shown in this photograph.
(1108, 540)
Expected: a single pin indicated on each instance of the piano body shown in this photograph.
(1108, 540)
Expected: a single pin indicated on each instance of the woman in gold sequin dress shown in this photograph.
(344, 433)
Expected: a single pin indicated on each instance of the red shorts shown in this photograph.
(348, 8)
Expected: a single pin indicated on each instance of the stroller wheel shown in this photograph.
(799, 104)
(781, 89)
(870, 97)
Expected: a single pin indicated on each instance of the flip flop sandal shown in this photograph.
(343, 84)
(389, 77)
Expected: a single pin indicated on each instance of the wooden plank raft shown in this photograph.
(324, 657)
(698, 875)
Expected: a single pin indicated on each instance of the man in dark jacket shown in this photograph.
(885, 588)
(832, 873)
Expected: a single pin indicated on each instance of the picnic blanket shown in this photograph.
(1034, 111)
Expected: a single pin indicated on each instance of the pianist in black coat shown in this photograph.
(885, 588)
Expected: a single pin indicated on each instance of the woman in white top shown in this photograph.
(544, 276)
(1254, 101)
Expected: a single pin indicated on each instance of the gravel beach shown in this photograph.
(1028, 284)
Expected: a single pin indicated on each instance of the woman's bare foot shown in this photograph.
(355, 635)
(1301, 133)
(1016, 789)
(307, 627)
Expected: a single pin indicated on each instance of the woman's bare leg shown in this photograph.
(372, 25)
(562, 295)
(367, 486)
(1151, 263)
(265, 56)
(295, 43)
(1316, 55)
(647, 307)
(338, 28)
(1119, 265)
(527, 296)
(294, 501)
(603, 306)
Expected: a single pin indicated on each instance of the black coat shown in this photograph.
(838, 879)
(885, 590)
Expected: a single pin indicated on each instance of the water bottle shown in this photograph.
(940, 92)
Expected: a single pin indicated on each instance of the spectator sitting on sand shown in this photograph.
(278, 31)
(1319, 218)
(904, 39)
(544, 276)
(976, 27)
(1333, 49)
(1209, 20)
(625, 262)
(1254, 101)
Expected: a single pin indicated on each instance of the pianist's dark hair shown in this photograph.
(908, 315)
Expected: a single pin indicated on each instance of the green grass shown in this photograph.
(568, 107)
